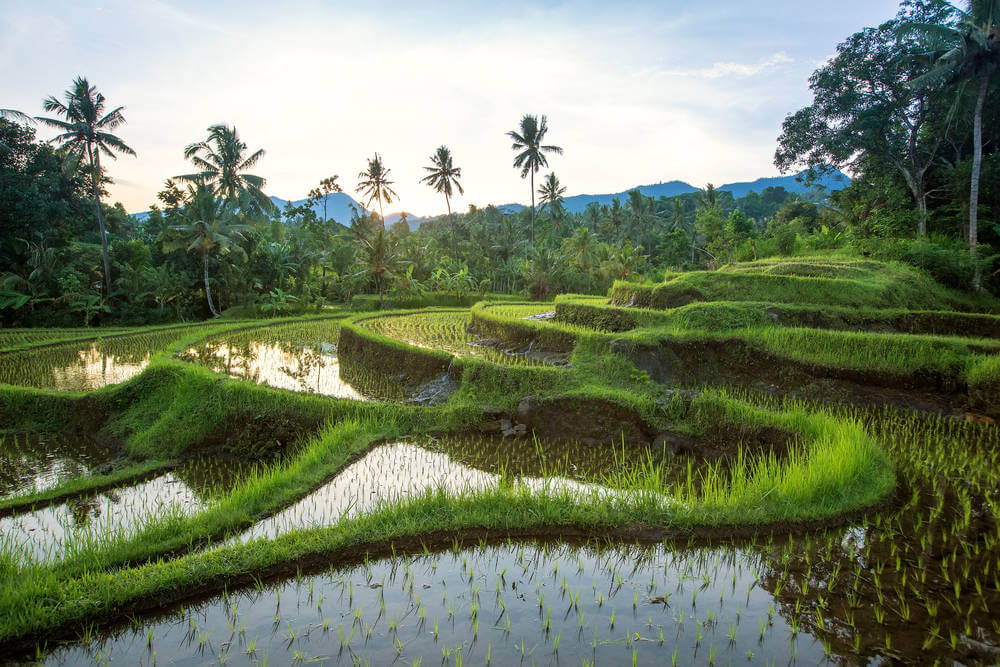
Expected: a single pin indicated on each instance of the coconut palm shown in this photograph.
(969, 51)
(86, 132)
(550, 194)
(530, 153)
(443, 177)
(208, 227)
(380, 259)
(374, 183)
(581, 249)
(223, 161)
(678, 219)
(14, 114)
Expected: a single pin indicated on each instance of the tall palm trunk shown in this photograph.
(95, 170)
(977, 162)
(454, 239)
(381, 214)
(532, 208)
(208, 287)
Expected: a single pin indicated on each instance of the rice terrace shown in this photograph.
(746, 424)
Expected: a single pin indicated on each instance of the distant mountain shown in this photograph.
(837, 180)
(578, 203)
(339, 205)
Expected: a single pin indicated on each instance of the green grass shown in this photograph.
(876, 285)
(83, 485)
(837, 468)
(841, 459)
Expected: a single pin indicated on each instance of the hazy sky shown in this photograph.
(635, 93)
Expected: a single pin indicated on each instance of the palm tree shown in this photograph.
(87, 133)
(550, 194)
(380, 259)
(208, 226)
(678, 220)
(14, 114)
(709, 198)
(581, 248)
(223, 161)
(640, 210)
(970, 52)
(443, 177)
(530, 153)
(374, 184)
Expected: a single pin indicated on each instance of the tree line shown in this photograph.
(908, 107)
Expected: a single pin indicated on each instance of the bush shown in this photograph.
(947, 260)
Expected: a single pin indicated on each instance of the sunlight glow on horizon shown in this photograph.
(635, 95)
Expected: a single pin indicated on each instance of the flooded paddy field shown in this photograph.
(916, 578)
(57, 530)
(447, 331)
(392, 472)
(819, 599)
(86, 365)
(299, 356)
(33, 462)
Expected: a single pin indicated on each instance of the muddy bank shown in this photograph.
(385, 369)
(732, 361)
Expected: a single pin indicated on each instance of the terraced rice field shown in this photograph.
(393, 472)
(83, 521)
(33, 462)
(446, 331)
(83, 366)
(300, 356)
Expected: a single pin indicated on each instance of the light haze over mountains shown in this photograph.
(338, 205)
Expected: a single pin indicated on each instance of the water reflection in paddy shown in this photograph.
(506, 604)
(32, 462)
(49, 532)
(83, 366)
(300, 356)
(401, 470)
(284, 366)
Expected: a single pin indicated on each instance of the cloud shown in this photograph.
(722, 69)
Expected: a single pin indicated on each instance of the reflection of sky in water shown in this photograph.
(95, 369)
(32, 462)
(83, 366)
(508, 604)
(43, 533)
(312, 370)
(393, 472)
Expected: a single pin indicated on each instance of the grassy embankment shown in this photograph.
(173, 409)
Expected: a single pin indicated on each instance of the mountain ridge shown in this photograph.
(339, 204)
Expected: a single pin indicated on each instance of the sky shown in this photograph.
(635, 92)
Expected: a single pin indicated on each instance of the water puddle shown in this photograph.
(32, 462)
(83, 366)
